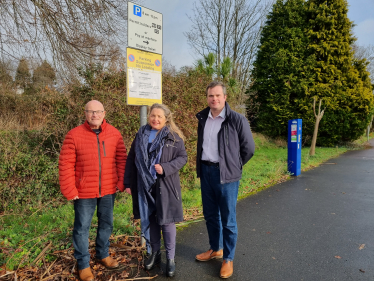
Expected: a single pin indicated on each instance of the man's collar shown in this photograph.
(222, 114)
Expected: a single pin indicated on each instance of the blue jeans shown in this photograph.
(219, 209)
(84, 211)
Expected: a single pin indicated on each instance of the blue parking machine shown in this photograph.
(294, 146)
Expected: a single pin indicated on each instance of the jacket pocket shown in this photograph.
(104, 149)
(81, 180)
(240, 162)
(170, 188)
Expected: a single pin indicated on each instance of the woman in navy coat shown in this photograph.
(152, 177)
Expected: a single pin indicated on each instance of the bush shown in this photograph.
(29, 157)
(28, 175)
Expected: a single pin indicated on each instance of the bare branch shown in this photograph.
(71, 32)
(229, 28)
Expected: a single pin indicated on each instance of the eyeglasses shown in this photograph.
(91, 112)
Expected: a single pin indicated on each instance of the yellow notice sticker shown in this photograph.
(144, 77)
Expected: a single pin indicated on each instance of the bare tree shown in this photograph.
(228, 28)
(71, 32)
(366, 52)
(318, 119)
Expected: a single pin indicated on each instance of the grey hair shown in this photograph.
(214, 84)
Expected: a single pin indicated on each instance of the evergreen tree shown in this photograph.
(23, 76)
(4, 74)
(341, 81)
(44, 75)
(282, 72)
(306, 52)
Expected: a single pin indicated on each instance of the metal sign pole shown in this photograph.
(143, 115)
(143, 121)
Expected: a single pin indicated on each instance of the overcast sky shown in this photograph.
(175, 20)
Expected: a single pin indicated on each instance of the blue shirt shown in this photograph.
(210, 143)
(152, 135)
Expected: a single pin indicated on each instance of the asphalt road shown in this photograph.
(318, 226)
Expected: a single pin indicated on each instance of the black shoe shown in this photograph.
(154, 258)
(170, 267)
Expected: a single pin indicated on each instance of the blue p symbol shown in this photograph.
(137, 11)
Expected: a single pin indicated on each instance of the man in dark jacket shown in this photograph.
(225, 144)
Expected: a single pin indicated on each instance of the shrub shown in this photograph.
(29, 157)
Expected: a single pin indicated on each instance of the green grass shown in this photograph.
(25, 232)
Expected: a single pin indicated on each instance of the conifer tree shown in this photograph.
(43, 75)
(340, 80)
(282, 72)
(305, 53)
(4, 74)
(23, 76)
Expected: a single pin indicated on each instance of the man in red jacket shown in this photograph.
(91, 168)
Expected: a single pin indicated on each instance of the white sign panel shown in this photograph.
(144, 84)
(144, 30)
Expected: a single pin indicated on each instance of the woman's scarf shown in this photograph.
(145, 161)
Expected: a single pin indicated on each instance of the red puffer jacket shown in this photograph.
(90, 165)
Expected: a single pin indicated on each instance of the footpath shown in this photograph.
(317, 226)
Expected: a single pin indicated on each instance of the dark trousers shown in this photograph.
(219, 209)
(84, 211)
(169, 233)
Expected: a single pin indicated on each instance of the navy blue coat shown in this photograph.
(235, 144)
(168, 199)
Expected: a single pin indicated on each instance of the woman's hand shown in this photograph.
(128, 190)
(159, 169)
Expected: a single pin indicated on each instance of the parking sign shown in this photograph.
(144, 29)
(137, 11)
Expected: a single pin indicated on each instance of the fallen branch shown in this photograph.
(124, 248)
(63, 251)
(41, 208)
(119, 236)
(139, 278)
(42, 253)
(48, 269)
(22, 246)
(54, 276)
(11, 272)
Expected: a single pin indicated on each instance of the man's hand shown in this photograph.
(128, 190)
(159, 169)
(75, 198)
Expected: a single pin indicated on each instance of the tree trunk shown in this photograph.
(314, 139)
(369, 128)
(318, 119)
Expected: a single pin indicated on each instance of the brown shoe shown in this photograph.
(209, 255)
(86, 274)
(109, 263)
(227, 269)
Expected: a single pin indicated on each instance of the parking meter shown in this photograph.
(294, 146)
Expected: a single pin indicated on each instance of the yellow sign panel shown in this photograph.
(144, 77)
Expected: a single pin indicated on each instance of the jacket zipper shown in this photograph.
(176, 194)
(98, 147)
(226, 136)
(104, 149)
